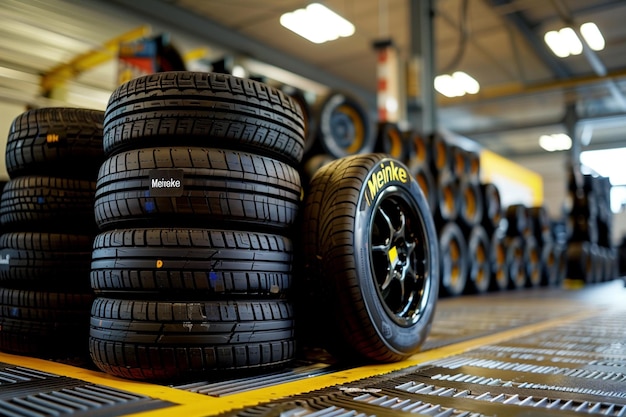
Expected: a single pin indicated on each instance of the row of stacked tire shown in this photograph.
(592, 256)
(47, 223)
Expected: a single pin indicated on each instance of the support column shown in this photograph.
(423, 54)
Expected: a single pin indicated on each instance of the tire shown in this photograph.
(473, 167)
(518, 221)
(579, 262)
(391, 141)
(203, 109)
(448, 204)
(44, 324)
(459, 164)
(515, 261)
(479, 269)
(45, 261)
(49, 204)
(419, 151)
(498, 259)
(427, 184)
(370, 259)
(540, 224)
(532, 262)
(471, 204)
(190, 262)
(453, 260)
(307, 116)
(156, 340)
(216, 187)
(492, 207)
(344, 126)
(441, 155)
(549, 264)
(57, 142)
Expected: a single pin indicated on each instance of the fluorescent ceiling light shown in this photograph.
(607, 162)
(555, 142)
(592, 36)
(556, 43)
(456, 85)
(317, 23)
(572, 41)
(566, 42)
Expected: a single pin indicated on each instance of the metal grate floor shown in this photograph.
(552, 352)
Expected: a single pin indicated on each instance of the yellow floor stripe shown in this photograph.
(192, 404)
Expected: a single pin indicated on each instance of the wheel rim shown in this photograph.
(399, 258)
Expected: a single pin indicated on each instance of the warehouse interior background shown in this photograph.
(525, 89)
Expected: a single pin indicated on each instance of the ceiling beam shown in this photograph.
(220, 36)
(521, 23)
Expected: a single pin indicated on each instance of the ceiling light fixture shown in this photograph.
(565, 42)
(456, 85)
(592, 36)
(555, 142)
(317, 23)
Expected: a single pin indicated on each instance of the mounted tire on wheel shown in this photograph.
(371, 259)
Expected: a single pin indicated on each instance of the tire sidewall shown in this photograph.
(400, 339)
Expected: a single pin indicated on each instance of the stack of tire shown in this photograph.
(195, 202)
(48, 227)
(542, 253)
(591, 256)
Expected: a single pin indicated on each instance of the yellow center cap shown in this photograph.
(393, 255)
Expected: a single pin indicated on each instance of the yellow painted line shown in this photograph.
(191, 404)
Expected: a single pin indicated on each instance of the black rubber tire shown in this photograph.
(440, 154)
(217, 187)
(448, 205)
(498, 259)
(492, 207)
(419, 151)
(540, 224)
(518, 221)
(309, 121)
(44, 324)
(473, 166)
(471, 207)
(344, 126)
(549, 264)
(532, 261)
(453, 260)
(49, 204)
(57, 142)
(391, 141)
(45, 261)
(459, 163)
(203, 109)
(427, 184)
(479, 269)
(370, 259)
(579, 262)
(157, 340)
(515, 261)
(190, 262)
